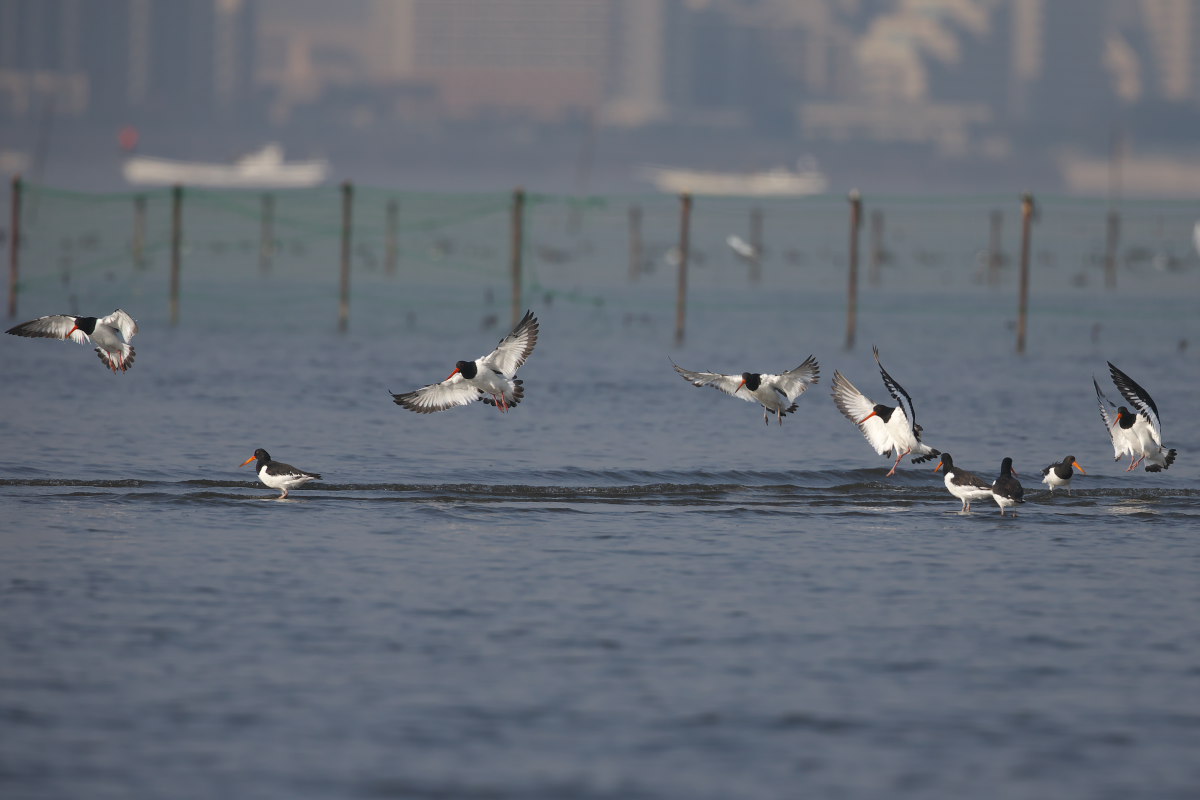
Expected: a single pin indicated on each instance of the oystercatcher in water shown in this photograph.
(109, 334)
(491, 378)
(1006, 489)
(888, 429)
(775, 393)
(277, 475)
(966, 486)
(1060, 474)
(1136, 433)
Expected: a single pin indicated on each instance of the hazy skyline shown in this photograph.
(577, 94)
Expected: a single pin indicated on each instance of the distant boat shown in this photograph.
(263, 169)
(806, 179)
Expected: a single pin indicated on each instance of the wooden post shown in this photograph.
(391, 254)
(1110, 249)
(995, 229)
(266, 244)
(1023, 299)
(852, 291)
(685, 218)
(635, 242)
(347, 225)
(176, 248)
(518, 246)
(14, 247)
(139, 231)
(756, 242)
(873, 271)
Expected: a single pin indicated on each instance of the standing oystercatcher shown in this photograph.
(1006, 489)
(966, 486)
(888, 429)
(491, 378)
(277, 475)
(1060, 474)
(1136, 433)
(109, 334)
(775, 393)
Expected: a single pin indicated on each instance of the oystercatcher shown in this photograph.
(491, 378)
(888, 429)
(277, 475)
(109, 334)
(1060, 474)
(775, 393)
(1138, 432)
(1006, 489)
(966, 486)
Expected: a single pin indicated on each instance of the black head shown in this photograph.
(261, 455)
(946, 463)
(468, 369)
(1006, 467)
(883, 412)
(86, 324)
(1069, 460)
(1124, 418)
(752, 380)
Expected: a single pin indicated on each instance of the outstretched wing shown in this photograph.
(729, 384)
(121, 320)
(795, 382)
(903, 401)
(513, 349)
(856, 406)
(1139, 398)
(1108, 413)
(454, 391)
(55, 326)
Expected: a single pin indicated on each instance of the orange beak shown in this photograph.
(939, 466)
(1014, 471)
(1081, 469)
(1115, 421)
(73, 329)
(740, 385)
(247, 461)
(867, 417)
(452, 374)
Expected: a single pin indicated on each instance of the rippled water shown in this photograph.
(626, 587)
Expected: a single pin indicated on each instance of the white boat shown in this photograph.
(262, 169)
(806, 179)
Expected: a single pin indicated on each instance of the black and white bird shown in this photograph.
(891, 430)
(109, 334)
(1006, 489)
(277, 475)
(491, 378)
(1138, 432)
(966, 486)
(1060, 474)
(775, 393)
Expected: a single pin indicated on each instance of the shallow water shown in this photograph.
(625, 587)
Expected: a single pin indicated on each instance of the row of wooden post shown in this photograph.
(267, 244)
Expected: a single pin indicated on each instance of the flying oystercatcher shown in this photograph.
(278, 475)
(491, 378)
(1136, 433)
(888, 429)
(775, 393)
(1060, 474)
(1006, 489)
(109, 334)
(966, 486)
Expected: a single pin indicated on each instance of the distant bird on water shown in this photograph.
(966, 486)
(1138, 433)
(109, 334)
(1006, 489)
(775, 393)
(1060, 474)
(491, 378)
(278, 475)
(888, 429)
